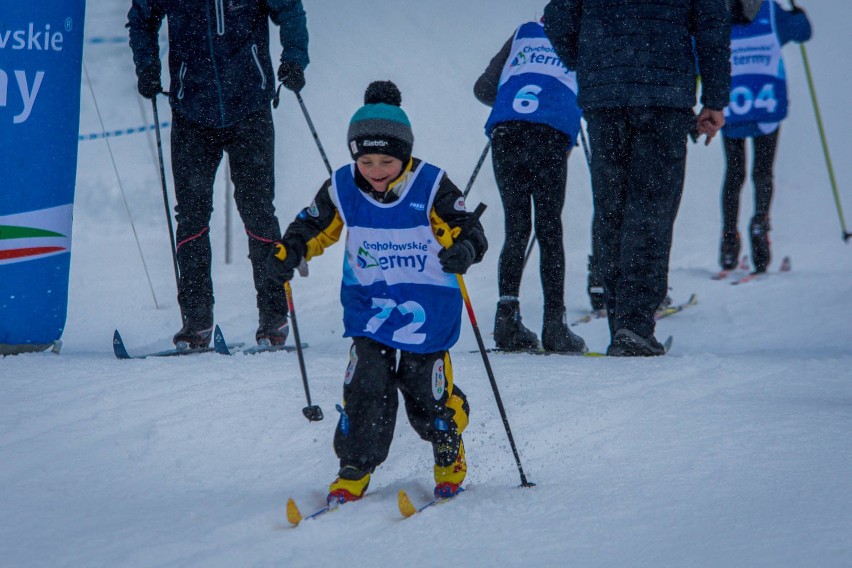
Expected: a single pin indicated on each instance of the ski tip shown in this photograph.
(667, 344)
(219, 344)
(406, 509)
(693, 299)
(118, 346)
(294, 516)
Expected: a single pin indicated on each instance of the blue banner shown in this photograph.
(41, 54)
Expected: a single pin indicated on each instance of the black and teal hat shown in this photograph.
(381, 126)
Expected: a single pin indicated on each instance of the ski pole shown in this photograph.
(165, 192)
(823, 139)
(312, 411)
(476, 169)
(446, 240)
(276, 100)
(314, 132)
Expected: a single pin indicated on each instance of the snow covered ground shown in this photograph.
(733, 450)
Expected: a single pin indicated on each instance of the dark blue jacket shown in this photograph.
(219, 63)
(639, 53)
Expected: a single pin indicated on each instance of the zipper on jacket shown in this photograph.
(220, 17)
(181, 73)
(259, 66)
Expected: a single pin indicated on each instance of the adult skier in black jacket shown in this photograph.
(635, 62)
(221, 85)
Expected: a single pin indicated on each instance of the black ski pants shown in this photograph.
(530, 167)
(196, 154)
(638, 167)
(761, 176)
(437, 409)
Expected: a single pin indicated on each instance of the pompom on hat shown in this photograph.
(381, 126)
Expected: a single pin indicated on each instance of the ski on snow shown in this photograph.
(407, 508)
(219, 346)
(667, 345)
(785, 267)
(671, 310)
(593, 315)
(294, 515)
(263, 347)
(725, 272)
(660, 314)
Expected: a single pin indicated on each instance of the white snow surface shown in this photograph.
(733, 450)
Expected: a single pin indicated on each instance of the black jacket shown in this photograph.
(630, 53)
(319, 226)
(486, 87)
(219, 62)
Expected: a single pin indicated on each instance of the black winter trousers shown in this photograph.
(761, 175)
(638, 167)
(530, 167)
(196, 154)
(437, 409)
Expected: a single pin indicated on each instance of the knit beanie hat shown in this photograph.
(381, 126)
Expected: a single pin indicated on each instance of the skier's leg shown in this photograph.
(729, 248)
(251, 152)
(762, 176)
(196, 152)
(438, 411)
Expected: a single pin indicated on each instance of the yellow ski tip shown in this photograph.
(294, 517)
(405, 506)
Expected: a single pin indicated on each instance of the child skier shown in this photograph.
(758, 104)
(399, 292)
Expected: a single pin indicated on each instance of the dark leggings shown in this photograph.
(530, 167)
(761, 176)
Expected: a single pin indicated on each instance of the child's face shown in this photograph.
(379, 170)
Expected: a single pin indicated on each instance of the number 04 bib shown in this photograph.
(758, 79)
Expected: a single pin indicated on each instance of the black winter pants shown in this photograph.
(638, 166)
(530, 167)
(761, 176)
(196, 154)
(437, 409)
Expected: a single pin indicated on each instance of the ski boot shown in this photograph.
(197, 329)
(350, 485)
(729, 250)
(556, 336)
(448, 478)
(273, 329)
(629, 344)
(509, 333)
(759, 232)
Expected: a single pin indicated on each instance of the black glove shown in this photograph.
(292, 75)
(281, 263)
(458, 258)
(148, 82)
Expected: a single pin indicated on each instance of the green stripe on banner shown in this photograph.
(13, 232)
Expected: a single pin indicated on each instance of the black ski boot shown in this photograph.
(759, 232)
(273, 329)
(557, 336)
(509, 333)
(729, 251)
(197, 328)
(629, 344)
